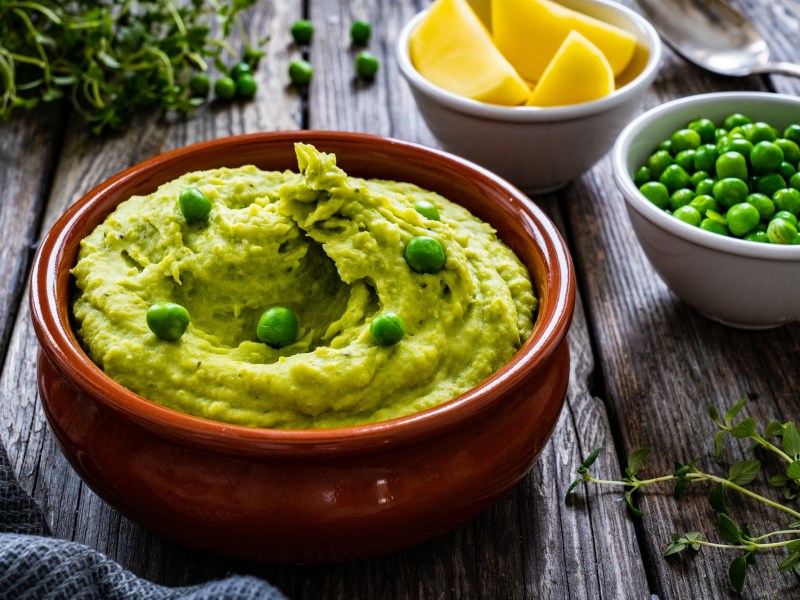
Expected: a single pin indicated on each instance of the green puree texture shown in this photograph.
(330, 248)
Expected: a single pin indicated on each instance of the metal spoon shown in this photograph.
(713, 35)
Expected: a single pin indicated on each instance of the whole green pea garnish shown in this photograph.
(794, 181)
(685, 158)
(742, 218)
(194, 205)
(705, 186)
(684, 139)
(366, 65)
(786, 216)
(787, 199)
(699, 176)
(360, 32)
(657, 193)
(764, 205)
(302, 31)
(761, 132)
(167, 320)
(657, 162)
(706, 129)
(705, 158)
(730, 191)
(792, 132)
(277, 327)
(387, 329)
(735, 120)
(252, 56)
(758, 236)
(246, 86)
(300, 72)
(731, 164)
(680, 197)
(765, 157)
(688, 214)
(425, 254)
(770, 183)
(703, 203)
(735, 144)
(740, 130)
(641, 176)
(675, 177)
(239, 69)
(427, 209)
(225, 88)
(200, 85)
(713, 226)
(781, 231)
(791, 151)
(787, 171)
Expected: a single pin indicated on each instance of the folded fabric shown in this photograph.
(34, 566)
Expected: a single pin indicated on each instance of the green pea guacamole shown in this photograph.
(331, 249)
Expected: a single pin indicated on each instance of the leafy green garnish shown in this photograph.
(111, 58)
(740, 474)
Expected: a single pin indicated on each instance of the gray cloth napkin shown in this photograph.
(35, 566)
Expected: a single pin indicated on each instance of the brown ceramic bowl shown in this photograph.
(307, 495)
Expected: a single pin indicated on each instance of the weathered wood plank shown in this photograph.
(537, 533)
(662, 364)
(530, 544)
(28, 151)
(782, 18)
(338, 99)
(72, 510)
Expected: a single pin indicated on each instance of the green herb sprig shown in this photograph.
(737, 538)
(111, 58)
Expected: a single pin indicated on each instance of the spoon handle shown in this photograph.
(782, 68)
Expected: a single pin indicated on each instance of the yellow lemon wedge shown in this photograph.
(451, 48)
(578, 73)
(530, 32)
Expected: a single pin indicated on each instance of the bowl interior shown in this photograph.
(519, 223)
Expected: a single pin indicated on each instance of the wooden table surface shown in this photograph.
(644, 368)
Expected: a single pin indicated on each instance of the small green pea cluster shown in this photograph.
(278, 326)
(739, 179)
(423, 254)
(301, 71)
(240, 82)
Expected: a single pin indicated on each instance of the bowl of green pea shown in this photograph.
(712, 190)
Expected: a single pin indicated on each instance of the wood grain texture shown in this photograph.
(72, 510)
(644, 365)
(663, 363)
(28, 151)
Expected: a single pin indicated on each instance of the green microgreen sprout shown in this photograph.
(112, 59)
(779, 439)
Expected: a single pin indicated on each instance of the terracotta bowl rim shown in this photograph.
(61, 347)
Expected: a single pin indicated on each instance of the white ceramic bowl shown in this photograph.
(739, 283)
(538, 149)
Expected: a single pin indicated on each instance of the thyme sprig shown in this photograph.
(781, 440)
(111, 58)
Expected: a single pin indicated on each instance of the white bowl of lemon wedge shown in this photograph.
(534, 90)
